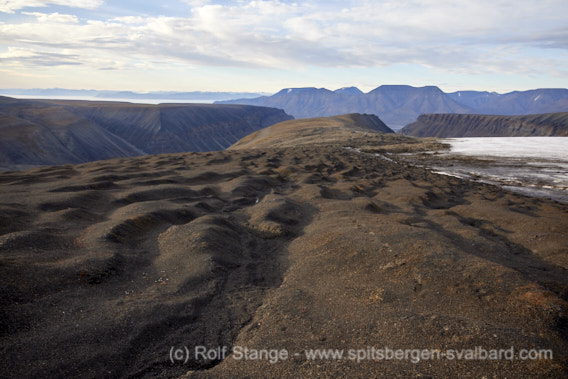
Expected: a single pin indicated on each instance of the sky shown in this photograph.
(264, 46)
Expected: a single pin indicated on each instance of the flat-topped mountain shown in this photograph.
(396, 104)
(349, 91)
(46, 132)
(305, 102)
(472, 125)
(399, 105)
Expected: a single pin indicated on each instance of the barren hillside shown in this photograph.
(128, 267)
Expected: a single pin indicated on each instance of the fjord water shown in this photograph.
(536, 166)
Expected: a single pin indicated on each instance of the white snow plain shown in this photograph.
(535, 166)
(542, 148)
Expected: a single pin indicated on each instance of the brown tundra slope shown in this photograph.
(318, 240)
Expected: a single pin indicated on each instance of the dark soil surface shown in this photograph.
(122, 268)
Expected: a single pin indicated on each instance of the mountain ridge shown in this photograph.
(399, 105)
(474, 125)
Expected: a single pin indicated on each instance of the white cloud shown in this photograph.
(53, 18)
(196, 3)
(11, 6)
(458, 35)
(15, 52)
(27, 57)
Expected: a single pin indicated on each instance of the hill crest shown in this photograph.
(312, 131)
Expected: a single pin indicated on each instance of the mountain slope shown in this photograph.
(172, 128)
(469, 125)
(397, 104)
(44, 132)
(33, 134)
(306, 102)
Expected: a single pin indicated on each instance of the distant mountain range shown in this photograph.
(129, 95)
(49, 132)
(399, 105)
(473, 125)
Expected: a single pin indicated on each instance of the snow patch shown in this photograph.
(553, 148)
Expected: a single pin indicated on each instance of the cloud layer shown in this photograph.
(462, 36)
(11, 6)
